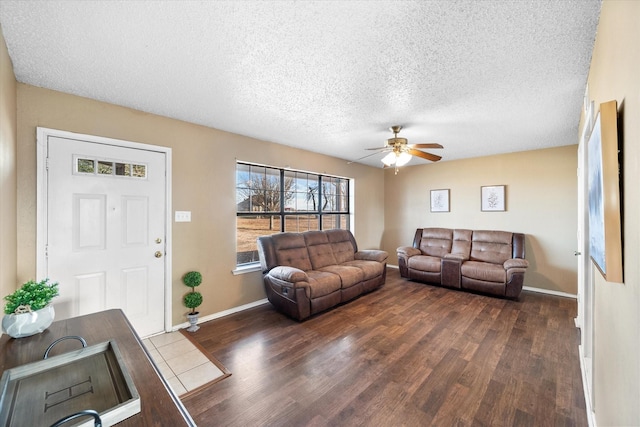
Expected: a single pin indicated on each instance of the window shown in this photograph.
(109, 167)
(272, 200)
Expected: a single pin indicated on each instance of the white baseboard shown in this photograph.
(222, 313)
(591, 416)
(549, 292)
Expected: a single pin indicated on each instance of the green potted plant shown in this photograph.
(192, 299)
(28, 310)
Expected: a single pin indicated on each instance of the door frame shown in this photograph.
(42, 137)
(586, 287)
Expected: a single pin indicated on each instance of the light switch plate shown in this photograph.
(183, 216)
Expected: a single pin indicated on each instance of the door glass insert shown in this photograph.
(109, 167)
(122, 169)
(86, 166)
(139, 171)
(105, 168)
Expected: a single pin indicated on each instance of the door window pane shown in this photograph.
(105, 168)
(85, 166)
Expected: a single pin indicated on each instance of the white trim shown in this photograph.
(41, 201)
(168, 239)
(591, 415)
(223, 313)
(253, 267)
(550, 292)
(42, 135)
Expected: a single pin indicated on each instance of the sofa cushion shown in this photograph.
(436, 241)
(290, 249)
(320, 251)
(461, 242)
(425, 263)
(484, 271)
(349, 275)
(323, 283)
(370, 269)
(341, 244)
(491, 246)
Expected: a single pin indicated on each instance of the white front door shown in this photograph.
(106, 233)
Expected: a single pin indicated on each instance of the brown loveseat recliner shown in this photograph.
(306, 273)
(480, 260)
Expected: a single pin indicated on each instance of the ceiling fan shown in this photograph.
(400, 151)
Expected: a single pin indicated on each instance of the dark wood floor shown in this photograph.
(407, 354)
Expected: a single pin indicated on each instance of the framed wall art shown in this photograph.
(440, 200)
(605, 226)
(492, 198)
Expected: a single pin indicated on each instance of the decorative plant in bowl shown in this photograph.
(192, 299)
(28, 310)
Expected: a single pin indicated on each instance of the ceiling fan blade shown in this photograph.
(431, 145)
(423, 155)
(378, 148)
(364, 157)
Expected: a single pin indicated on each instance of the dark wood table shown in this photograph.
(159, 405)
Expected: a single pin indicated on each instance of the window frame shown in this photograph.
(341, 205)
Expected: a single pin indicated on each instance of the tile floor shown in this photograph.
(180, 362)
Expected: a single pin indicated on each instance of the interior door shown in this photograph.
(105, 242)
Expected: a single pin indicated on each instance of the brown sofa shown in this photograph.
(306, 273)
(485, 261)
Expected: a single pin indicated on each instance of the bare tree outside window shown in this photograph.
(273, 200)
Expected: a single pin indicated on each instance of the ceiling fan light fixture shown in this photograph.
(399, 152)
(403, 159)
(389, 159)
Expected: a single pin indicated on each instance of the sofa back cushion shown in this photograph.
(461, 242)
(491, 246)
(343, 245)
(320, 251)
(291, 250)
(436, 241)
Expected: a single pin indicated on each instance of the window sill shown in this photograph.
(250, 268)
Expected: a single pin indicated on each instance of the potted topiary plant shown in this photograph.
(28, 310)
(192, 299)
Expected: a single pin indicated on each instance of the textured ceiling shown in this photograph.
(479, 77)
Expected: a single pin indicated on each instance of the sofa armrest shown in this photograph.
(289, 274)
(516, 269)
(408, 251)
(515, 263)
(457, 257)
(371, 255)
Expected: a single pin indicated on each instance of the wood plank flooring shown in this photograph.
(407, 354)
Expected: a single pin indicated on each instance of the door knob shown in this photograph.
(158, 254)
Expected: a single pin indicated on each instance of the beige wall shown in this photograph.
(8, 234)
(541, 201)
(203, 183)
(615, 75)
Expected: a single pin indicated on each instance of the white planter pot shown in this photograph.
(193, 321)
(27, 324)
